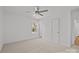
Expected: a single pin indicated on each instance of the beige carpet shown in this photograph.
(33, 46)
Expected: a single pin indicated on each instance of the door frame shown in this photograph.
(72, 26)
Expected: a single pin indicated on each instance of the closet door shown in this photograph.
(55, 26)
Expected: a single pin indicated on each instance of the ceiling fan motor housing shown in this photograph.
(36, 11)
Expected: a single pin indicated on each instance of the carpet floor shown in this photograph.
(36, 46)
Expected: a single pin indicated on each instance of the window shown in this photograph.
(34, 27)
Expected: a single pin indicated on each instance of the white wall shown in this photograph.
(17, 25)
(1, 28)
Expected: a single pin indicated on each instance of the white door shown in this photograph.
(55, 26)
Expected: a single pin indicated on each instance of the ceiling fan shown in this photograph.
(38, 11)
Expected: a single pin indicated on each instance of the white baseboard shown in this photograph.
(30, 38)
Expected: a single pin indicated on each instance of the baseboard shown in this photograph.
(22, 40)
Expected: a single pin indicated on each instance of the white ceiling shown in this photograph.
(52, 10)
(18, 9)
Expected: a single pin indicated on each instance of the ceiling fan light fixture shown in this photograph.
(37, 16)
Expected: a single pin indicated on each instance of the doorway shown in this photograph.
(35, 29)
(75, 27)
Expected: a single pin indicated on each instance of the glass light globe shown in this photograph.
(37, 16)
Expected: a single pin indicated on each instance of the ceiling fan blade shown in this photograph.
(41, 14)
(37, 8)
(43, 11)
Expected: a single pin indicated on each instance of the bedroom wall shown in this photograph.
(1, 28)
(17, 24)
